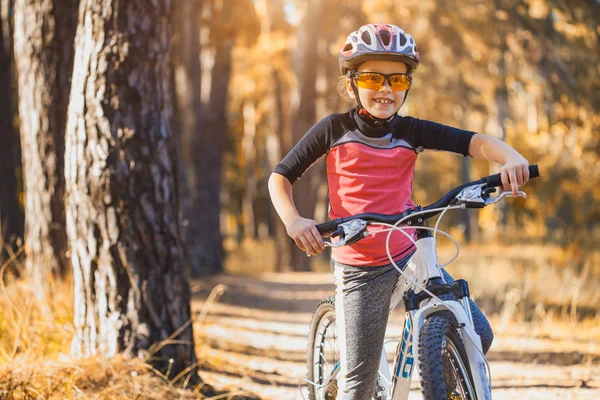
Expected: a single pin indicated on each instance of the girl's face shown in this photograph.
(382, 102)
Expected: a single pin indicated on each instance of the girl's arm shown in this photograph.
(302, 230)
(514, 172)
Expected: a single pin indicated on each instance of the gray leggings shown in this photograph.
(363, 296)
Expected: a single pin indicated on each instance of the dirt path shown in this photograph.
(254, 338)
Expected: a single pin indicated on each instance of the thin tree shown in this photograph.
(188, 77)
(208, 253)
(231, 22)
(43, 47)
(11, 216)
(276, 94)
(306, 117)
(130, 288)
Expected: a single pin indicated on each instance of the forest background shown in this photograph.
(241, 81)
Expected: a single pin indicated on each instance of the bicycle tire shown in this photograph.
(324, 316)
(323, 319)
(444, 366)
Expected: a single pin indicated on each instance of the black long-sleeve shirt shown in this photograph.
(370, 169)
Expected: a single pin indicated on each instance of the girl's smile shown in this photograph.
(383, 102)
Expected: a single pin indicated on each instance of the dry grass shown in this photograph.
(35, 338)
(542, 280)
(24, 377)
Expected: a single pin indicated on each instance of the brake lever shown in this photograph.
(349, 232)
(341, 242)
(506, 193)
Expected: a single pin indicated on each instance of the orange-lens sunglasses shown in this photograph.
(374, 80)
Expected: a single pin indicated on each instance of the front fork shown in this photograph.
(423, 266)
(464, 302)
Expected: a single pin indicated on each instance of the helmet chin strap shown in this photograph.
(362, 111)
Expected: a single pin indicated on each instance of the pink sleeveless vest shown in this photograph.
(370, 175)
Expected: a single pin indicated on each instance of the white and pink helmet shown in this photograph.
(378, 42)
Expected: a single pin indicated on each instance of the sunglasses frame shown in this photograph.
(386, 77)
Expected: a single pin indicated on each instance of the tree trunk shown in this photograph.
(175, 124)
(130, 288)
(249, 149)
(283, 252)
(208, 150)
(43, 38)
(278, 136)
(189, 77)
(305, 118)
(469, 217)
(503, 107)
(11, 216)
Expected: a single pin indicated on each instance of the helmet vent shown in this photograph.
(402, 40)
(366, 37)
(385, 37)
(347, 47)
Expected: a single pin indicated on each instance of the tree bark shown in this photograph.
(43, 39)
(130, 288)
(11, 216)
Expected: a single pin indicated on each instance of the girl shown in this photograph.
(370, 156)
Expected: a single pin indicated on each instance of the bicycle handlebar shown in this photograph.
(491, 181)
(496, 180)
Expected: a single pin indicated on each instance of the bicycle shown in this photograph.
(450, 358)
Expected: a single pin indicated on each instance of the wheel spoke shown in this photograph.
(458, 372)
(444, 360)
(323, 353)
(327, 350)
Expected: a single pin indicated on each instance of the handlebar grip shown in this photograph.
(327, 227)
(496, 180)
(534, 171)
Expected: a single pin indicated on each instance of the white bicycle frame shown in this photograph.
(423, 266)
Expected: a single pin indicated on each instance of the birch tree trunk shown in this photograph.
(130, 288)
(43, 46)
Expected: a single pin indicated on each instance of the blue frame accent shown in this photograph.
(405, 364)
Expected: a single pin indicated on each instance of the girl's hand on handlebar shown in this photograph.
(514, 173)
(305, 234)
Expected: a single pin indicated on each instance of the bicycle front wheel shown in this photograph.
(443, 362)
(323, 358)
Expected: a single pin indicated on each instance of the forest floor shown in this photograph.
(253, 338)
